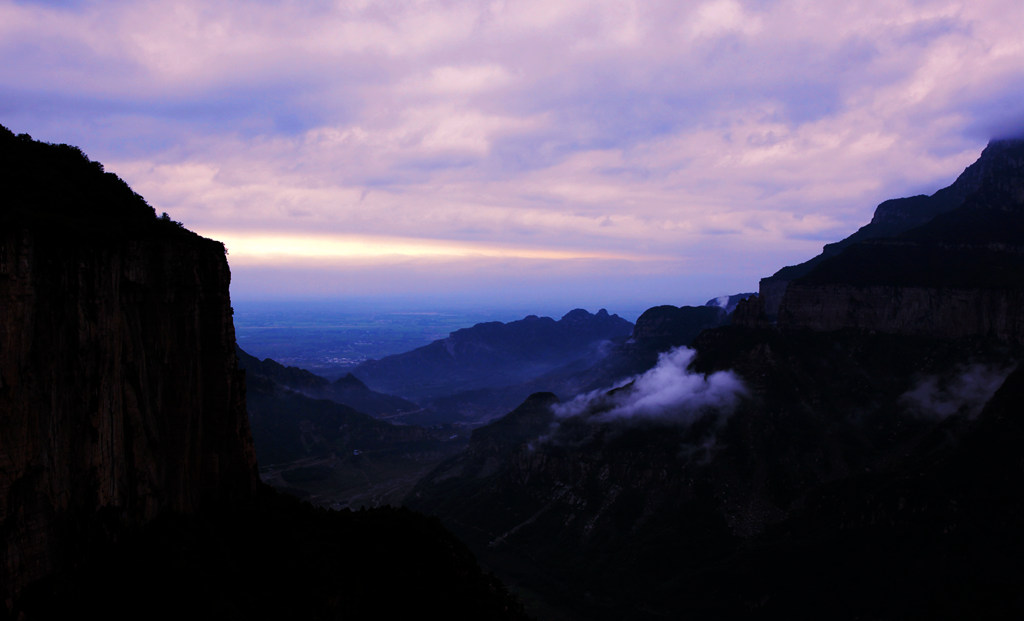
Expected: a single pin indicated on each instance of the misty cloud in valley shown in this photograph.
(964, 391)
(668, 392)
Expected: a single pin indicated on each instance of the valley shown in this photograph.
(829, 430)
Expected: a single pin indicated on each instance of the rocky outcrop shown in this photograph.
(949, 272)
(918, 311)
(120, 397)
(728, 303)
(998, 165)
(664, 327)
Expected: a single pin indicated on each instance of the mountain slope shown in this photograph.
(611, 518)
(335, 456)
(346, 390)
(832, 465)
(657, 330)
(494, 354)
(959, 274)
(896, 216)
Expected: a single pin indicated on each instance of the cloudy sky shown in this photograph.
(552, 152)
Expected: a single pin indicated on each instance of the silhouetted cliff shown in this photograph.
(995, 172)
(120, 399)
(128, 484)
(956, 275)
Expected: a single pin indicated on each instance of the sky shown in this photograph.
(555, 153)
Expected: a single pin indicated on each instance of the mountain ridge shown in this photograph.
(893, 217)
(818, 488)
(492, 354)
(956, 274)
(347, 390)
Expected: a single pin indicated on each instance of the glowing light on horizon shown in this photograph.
(258, 247)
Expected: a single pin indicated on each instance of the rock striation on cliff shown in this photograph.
(120, 396)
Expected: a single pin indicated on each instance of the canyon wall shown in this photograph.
(917, 311)
(957, 272)
(994, 182)
(120, 396)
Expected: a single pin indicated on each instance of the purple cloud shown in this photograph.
(741, 134)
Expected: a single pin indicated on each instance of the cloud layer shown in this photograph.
(668, 392)
(965, 390)
(720, 137)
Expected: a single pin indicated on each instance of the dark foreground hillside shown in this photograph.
(328, 453)
(128, 485)
(273, 558)
(824, 491)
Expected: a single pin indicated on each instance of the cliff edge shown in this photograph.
(946, 266)
(120, 396)
(998, 164)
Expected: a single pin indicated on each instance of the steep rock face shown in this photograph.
(998, 162)
(956, 274)
(919, 311)
(120, 397)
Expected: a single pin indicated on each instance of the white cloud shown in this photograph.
(964, 390)
(669, 392)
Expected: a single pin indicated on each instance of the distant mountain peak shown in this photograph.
(576, 314)
(350, 381)
(494, 354)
